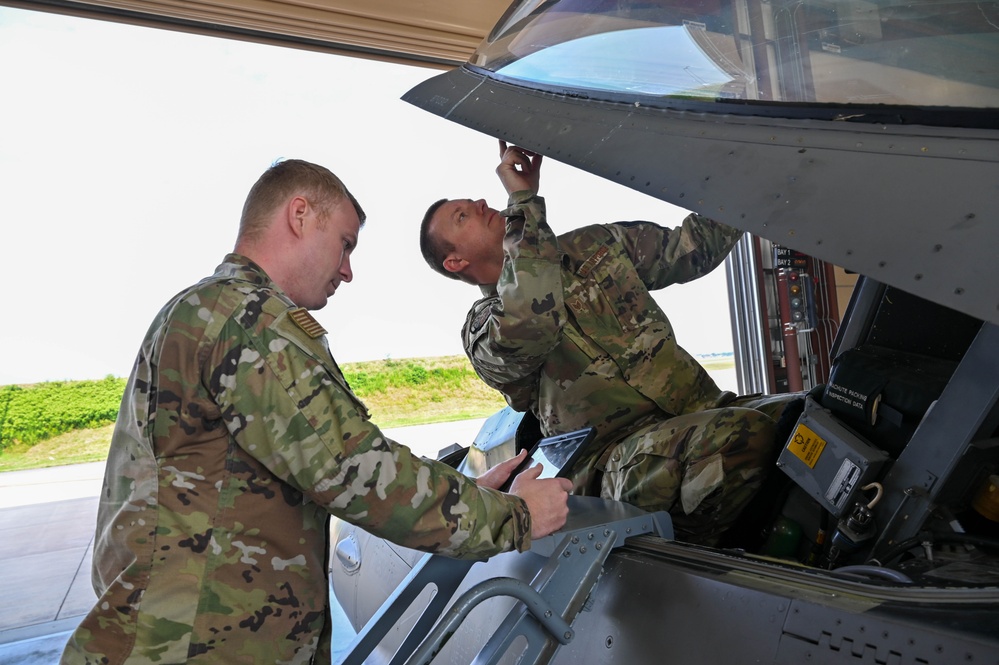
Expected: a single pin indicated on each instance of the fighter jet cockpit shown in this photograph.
(860, 135)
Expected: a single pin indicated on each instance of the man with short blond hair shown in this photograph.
(236, 440)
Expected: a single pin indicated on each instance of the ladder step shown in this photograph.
(548, 607)
(558, 592)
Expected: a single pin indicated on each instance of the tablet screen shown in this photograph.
(556, 454)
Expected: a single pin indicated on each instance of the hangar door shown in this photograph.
(436, 33)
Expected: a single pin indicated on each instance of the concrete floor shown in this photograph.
(46, 530)
(47, 519)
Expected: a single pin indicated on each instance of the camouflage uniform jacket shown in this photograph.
(236, 439)
(571, 331)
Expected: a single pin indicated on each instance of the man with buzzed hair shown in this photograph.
(567, 329)
(238, 437)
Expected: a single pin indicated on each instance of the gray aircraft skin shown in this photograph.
(863, 133)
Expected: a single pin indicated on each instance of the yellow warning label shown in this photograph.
(806, 445)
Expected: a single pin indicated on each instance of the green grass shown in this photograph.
(398, 393)
(416, 391)
(78, 446)
(717, 363)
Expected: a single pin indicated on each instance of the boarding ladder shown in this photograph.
(548, 605)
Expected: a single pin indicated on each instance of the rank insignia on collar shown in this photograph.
(304, 320)
(577, 304)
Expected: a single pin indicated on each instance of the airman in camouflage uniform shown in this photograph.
(567, 329)
(237, 438)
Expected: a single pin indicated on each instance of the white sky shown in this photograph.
(127, 152)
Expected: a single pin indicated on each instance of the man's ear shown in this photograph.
(454, 264)
(296, 210)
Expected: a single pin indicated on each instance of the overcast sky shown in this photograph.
(127, 153)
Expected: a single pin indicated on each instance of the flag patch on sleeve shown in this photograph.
(304, 320)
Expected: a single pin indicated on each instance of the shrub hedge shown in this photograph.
(29, 414)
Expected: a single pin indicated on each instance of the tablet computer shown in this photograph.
(556, 454)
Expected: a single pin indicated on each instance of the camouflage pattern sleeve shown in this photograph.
(509, 335)
(237, 438)
(664, 256)
(285, 403)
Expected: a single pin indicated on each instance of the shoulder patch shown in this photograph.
(304, 320)
(479, 319)
(479, 315)
(591, 263)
